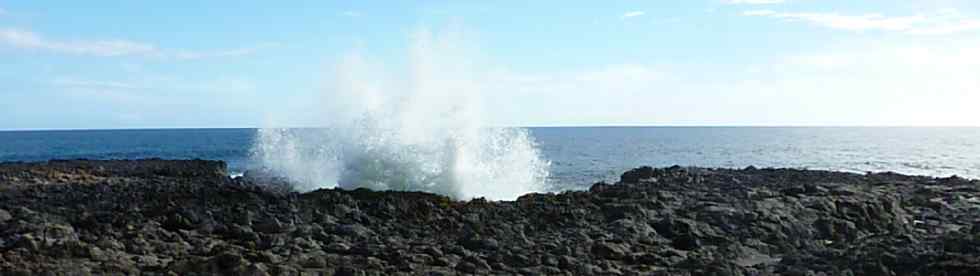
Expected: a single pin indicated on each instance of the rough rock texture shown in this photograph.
(162, 217)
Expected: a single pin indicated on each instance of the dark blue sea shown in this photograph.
(579, 155)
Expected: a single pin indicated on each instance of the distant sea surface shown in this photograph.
(580, 156)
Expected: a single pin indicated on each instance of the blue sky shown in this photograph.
(139, 64)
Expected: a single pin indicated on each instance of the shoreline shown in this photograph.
(188, 216)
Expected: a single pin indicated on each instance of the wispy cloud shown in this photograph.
(244, 51)
(951, 28)
(755, 2)
(599, 93)
(77, 83)
(854, 22)
(24, 39)
(30, 40)
(936, 79)
(632, 14)
(156, 83)
(944, 22)
(619, 74)
(758, 12)
(616, 79)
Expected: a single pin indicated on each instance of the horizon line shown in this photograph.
(527, 126)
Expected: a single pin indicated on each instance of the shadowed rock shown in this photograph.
(189, 218)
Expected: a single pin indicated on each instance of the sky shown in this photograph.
(171, 64)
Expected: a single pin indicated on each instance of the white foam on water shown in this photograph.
(420, 132)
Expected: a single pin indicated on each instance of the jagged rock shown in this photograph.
(607, 250)
(637, 175)
(230, 260)
(629, 228)
(5, 216)
(337, 247)
(243, 233)
(186, 218)
(271, 226)
(354, 231)
(257, 270)
(348, 271)
(268, 257)
(315, 261)
(176, 222)
(476, 242)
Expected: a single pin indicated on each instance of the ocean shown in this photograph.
(578, 156)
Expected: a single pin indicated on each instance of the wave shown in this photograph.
(421, 133)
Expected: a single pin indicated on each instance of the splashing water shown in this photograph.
(421, 134)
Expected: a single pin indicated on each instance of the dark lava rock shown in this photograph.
(606, 250)
(160, 217)
(637, 175)
(5, 216)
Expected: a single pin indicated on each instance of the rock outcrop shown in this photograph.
(160, 217)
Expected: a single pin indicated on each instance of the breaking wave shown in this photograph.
(418, 131)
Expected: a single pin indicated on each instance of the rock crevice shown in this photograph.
(187, 217)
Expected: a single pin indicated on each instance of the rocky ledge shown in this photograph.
(158, 217)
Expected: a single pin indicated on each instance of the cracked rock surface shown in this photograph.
(162, 217)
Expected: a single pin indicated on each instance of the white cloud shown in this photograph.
(758, 12)
(755, 2)
(872, 84)
(30, 40)
(111, 48)
(949, 59)
(616, 75)
(93, 84)
(223, 85)
(192, 55)
(608, 94)
(855, 22)
(157, 83)
(944, 22)
(949, 28)
(633, 14)
(618, 78)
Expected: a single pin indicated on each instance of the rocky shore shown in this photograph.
(160, 217)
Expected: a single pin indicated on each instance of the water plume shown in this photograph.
(419, 131)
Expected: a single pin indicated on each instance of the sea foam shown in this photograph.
(419, 131)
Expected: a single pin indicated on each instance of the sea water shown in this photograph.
(578, 156)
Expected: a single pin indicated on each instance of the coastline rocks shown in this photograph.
(611, 251)
(160, 217)
(95, 171)
(5, 216)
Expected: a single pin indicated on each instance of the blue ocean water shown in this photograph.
(580, 156)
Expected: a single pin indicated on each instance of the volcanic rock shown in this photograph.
(159, 217)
